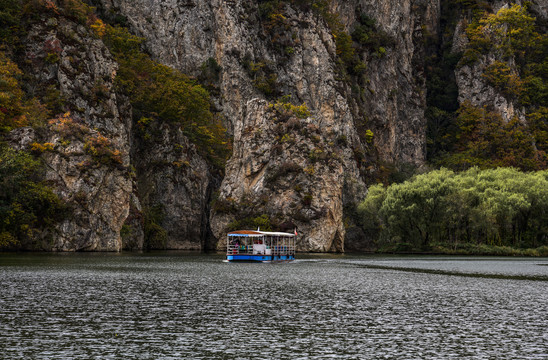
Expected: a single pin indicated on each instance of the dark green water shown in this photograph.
(181, 306)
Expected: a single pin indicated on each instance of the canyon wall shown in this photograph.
(295, 170)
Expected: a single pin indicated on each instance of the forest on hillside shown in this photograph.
(466, 135)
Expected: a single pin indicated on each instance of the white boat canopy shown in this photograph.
(246, 233)
(252, 233)
(271, 233)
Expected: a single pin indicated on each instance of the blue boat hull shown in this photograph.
(259, 258)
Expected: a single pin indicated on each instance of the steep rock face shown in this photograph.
(133, 232)
(257, 65)
(174, 181)
(475, 90)
(88, 165)
(180, 33)
(292, 171)
(298, 182)
(395, 96)
(185, 33)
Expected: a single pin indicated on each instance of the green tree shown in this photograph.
(369, 209)
(10, 21)
(11, 95)
(483, 139)
(494, 207)
(415, 208)
(27, 205)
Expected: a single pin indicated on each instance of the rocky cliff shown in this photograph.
(86, 149)
(174, 184)
(293, 170)
(321, 99)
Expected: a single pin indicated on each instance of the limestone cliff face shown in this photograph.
(474, 89)
(294, 170)
(297, 182)
(298, 166)
(174, 183)
(66, 60)
(185, 33)
(180, 33)
(310, 129)
(395, 96)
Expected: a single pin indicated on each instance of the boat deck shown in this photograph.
(259, 257)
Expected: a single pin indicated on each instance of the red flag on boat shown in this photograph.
(295, 231)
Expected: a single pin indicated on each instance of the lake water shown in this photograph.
(188, 306)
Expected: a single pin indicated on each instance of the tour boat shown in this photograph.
(260, 246)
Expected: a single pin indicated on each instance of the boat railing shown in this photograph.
(233, 249)
(239, 249)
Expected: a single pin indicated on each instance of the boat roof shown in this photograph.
(250, 233)
(253, 233)
(276, 233)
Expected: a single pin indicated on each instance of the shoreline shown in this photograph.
(483, 250)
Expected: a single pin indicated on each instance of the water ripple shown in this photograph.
(197, 307)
